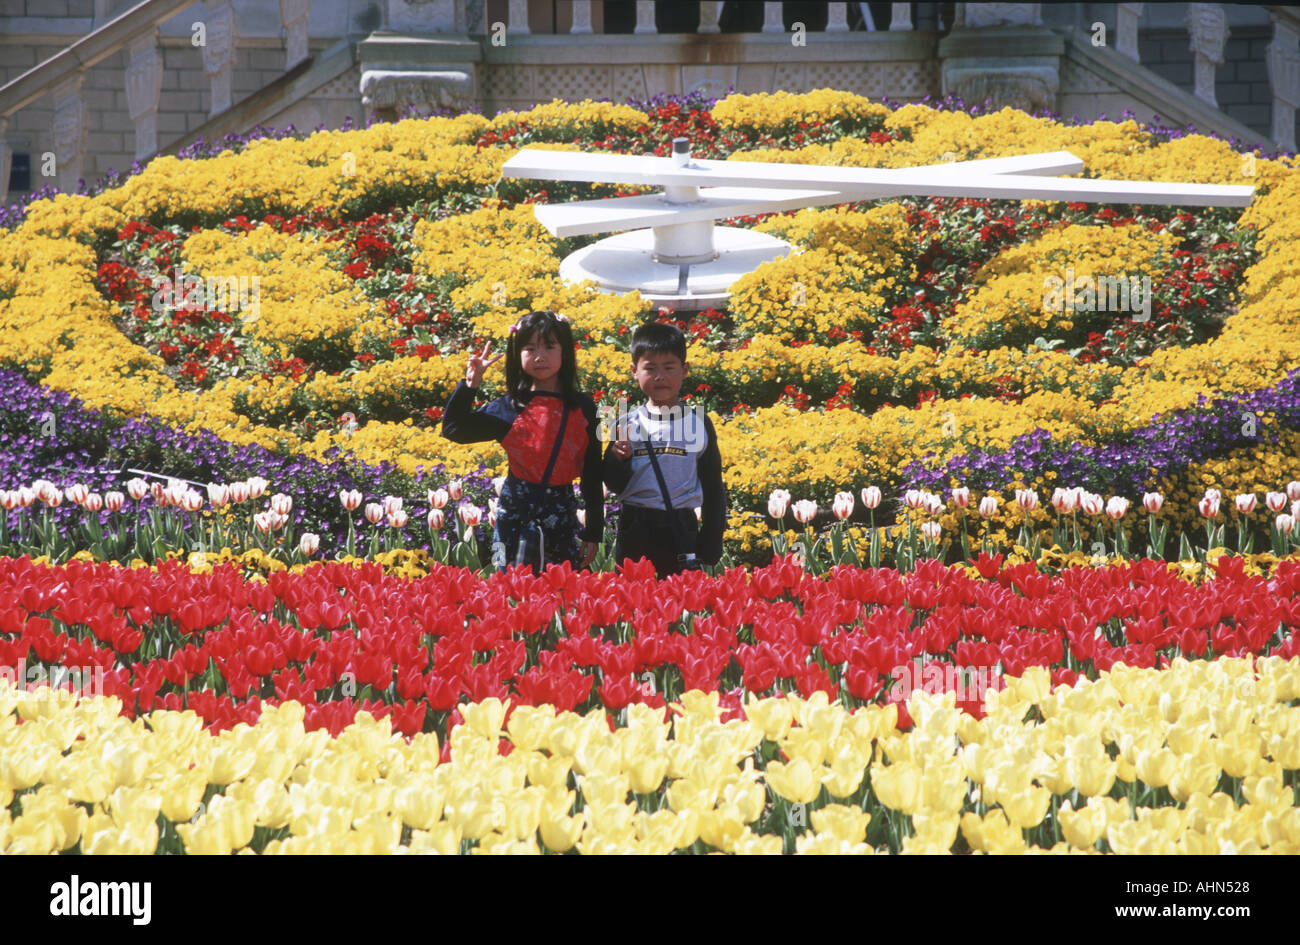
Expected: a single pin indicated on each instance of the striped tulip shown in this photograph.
(961, 497)
(805, 510)
(76, 493)
(438, 498)
(436, 520)
(455, 489)
(281, 504)
(137, 489)
(113, 501)
(218, 494)
(1092, 503)
(256, 486)
(240, 492)
(470, 514)
(374, 513)
(988, 507)
(397, 518)
(1152, 502)
(778, 503)
(1117, 507)
(1027, 499)
(1276, 501)
(308, 543)
(843, 505)
(1209, 506)
(1246, 503)
(871, 497)
(1285, 523)
(93, 502)
(931, 530)
(350, 499)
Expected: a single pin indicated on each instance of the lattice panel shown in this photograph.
(629, 83)
(871, 79)
(570, 83)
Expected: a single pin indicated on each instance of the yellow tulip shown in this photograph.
(523, 813)
(1155, 768)
(558, 831)
(484, 718)
(529, 726)
(1196, 774)
(419, 807)
(806, 744)
(1267, 791)
(1084, 827)
(797, 782)
(443, 838)
(548, 772)
(937, 831)
(751, 844)
(721, 827)
(1028, 807)
(897, 786)
(684, 795)
(1091, 776)
(844, 822)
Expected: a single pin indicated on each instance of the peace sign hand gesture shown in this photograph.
(477, 365)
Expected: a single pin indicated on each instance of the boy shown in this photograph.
(686, 449)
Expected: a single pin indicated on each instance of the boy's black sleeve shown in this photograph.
(713, 510)
(592, 485)
(616, 472)
(462, 424)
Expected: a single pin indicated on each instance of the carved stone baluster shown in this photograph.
(900, 17)
(837, 18)
(645, 17)
(581, 17)
(1208, 26)
(517, 24)
(1284, 78)
(709, 11)
(144, 75)
(293, 16)
(219, 53)
(1126, 29)
(773, 18)
(70, 126)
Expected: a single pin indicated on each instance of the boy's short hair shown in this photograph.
(658, 338)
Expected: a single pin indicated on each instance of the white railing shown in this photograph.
(64, 74)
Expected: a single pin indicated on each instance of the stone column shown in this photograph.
(144, 75)
(709, 11)
(293, 16)
(837, 18)
(517, 18)
(581, 17)
(443, 16)
(900, 17)
(219, 53)
(773, 19)
(1001, 51)
(1126, 29)
(70, 127)
(645, 17)
(1208, 26)
(1284, 77)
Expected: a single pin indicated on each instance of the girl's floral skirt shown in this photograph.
(536, 525)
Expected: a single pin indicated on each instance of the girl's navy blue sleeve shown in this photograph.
(462, 424)
(713, 510)
(593, 480)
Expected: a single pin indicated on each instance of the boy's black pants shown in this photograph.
(648, 533)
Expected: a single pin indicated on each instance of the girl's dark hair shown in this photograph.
(538, 326)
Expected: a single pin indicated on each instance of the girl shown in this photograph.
(548, 430)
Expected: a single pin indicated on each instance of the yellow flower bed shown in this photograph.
(1010, 293)
(85, 775)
